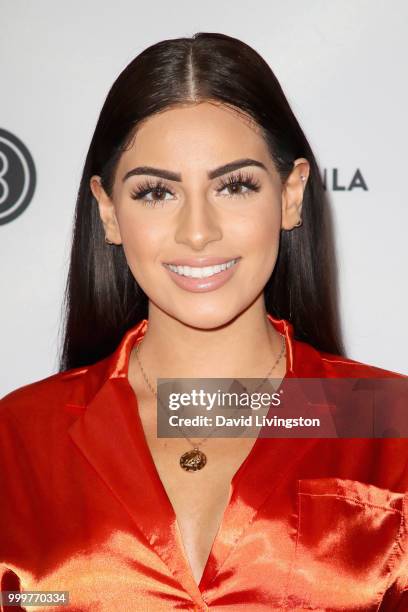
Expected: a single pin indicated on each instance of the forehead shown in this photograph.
(196, 133)
(209, 111)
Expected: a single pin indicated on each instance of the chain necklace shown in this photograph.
(195, 459)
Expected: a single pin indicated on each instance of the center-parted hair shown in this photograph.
(102, 298)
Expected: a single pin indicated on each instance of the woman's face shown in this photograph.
(198, 182)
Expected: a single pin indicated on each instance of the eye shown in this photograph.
(239, 184)
(235, 182)
(155, 188)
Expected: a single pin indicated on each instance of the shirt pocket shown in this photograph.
(350, 541)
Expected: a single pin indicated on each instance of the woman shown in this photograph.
(201, 249)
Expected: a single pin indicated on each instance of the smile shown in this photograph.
(201, 272)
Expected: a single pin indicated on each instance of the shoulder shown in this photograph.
(337, 365)
(309, 361)
(45, 396)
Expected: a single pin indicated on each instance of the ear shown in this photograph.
(292, 194)
(106, 211)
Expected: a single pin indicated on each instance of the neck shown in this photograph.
(245, 347)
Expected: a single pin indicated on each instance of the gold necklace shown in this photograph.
(195, 459)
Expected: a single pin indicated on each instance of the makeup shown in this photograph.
(212, 278)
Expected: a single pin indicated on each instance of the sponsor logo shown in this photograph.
(17, 177)
(333, 182)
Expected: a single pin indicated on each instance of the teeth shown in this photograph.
(201, 272)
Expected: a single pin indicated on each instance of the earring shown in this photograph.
(108, 241)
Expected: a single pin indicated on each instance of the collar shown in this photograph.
(302, 361)
(118, 362)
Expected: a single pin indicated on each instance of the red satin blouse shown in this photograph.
(311, 524)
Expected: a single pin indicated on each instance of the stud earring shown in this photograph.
(302, 178)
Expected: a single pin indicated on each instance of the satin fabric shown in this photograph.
(311, 524)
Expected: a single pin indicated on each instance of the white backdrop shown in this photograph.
(342, 66)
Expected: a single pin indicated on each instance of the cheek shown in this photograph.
(261, 233)
(142, 239)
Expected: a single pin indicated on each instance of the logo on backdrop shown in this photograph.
(334, 182)
(17, 177)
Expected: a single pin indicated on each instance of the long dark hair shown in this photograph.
(102, 299)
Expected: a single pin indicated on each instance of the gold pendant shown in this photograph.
(193, 460)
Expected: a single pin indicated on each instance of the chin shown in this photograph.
(211, 318)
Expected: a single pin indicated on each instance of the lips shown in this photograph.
(200, 262)
(211, 282)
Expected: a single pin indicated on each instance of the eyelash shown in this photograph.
(240, 178)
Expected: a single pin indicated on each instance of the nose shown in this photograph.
(197, 224)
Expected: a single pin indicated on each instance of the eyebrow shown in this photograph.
(212, 174)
